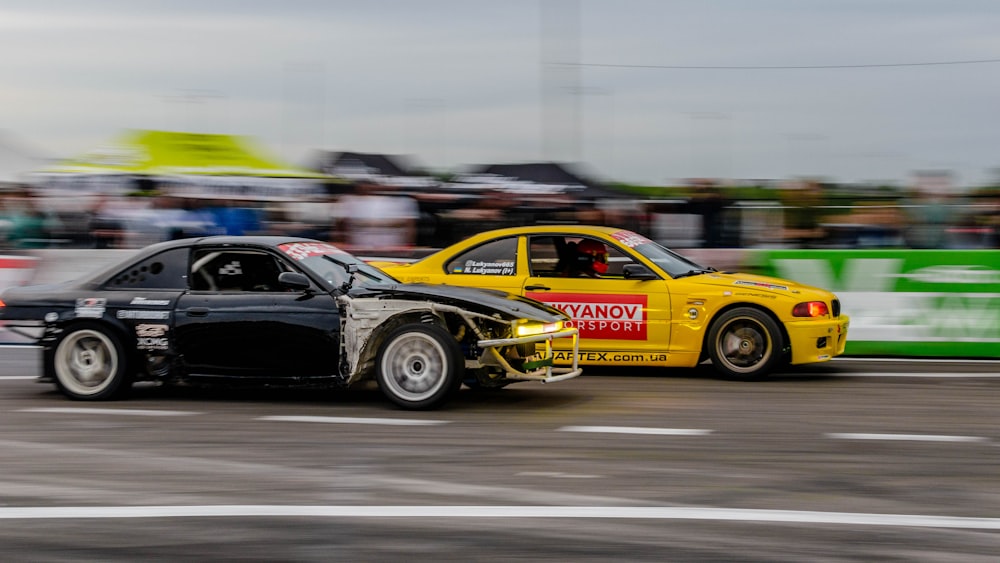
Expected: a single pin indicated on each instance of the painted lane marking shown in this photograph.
(916, 360)
(905, 437)
(355, 420)
(637, 430)
(556, 475)
(937, 375)
(574, 512)
(125, 412)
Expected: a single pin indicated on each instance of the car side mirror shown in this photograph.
(293, 280)
(638, 272)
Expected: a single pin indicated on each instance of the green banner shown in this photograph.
(943, 303)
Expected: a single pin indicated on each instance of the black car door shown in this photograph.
(237, 321)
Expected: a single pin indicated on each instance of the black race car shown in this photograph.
(279, 311)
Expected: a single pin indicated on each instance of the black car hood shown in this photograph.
(486, 301)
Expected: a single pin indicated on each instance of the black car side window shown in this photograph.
(166, 270)
(497, 258)
(231, 270)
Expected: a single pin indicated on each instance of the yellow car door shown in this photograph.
(621, 321)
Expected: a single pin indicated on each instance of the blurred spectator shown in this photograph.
(233, 219)
(930, 210)
(372, 219)
(988, 217)
(28, 225)
(491, 210)
(710, 202)
(106, 230)
(803, 214)
(311, 219)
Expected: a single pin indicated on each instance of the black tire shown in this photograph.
(89, 364)
(745, 343)
(419, 366)
(480, 380)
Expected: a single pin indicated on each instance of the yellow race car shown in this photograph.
(637, 303)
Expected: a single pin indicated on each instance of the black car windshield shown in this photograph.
(671, 262)
(330, 263)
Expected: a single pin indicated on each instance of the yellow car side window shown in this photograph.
(496, 258)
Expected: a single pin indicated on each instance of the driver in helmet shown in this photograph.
(591, 259)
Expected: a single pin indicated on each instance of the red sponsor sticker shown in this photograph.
(608, 317)
(629, 239)
(300, 250)
(16, 270)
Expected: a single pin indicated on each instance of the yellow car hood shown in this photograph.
(758, 283)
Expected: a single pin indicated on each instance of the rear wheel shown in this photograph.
(745, 343)
(419, 366)
(89, 364)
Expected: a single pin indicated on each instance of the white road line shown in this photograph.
(124, 412)
(936, 375)
(571, 512)
(356, 420)
(555, 475)
(916, 360)
(905, 437)
(637, 430)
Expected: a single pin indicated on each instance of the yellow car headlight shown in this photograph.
(533, 328)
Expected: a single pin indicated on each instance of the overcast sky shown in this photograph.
(458, 82)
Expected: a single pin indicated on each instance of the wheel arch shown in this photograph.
(117, 329)
(369, 352)
(703, 353)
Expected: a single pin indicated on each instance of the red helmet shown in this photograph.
(593, 255)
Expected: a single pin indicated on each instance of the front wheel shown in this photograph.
(745, 343)
(89, 364)
(419, 366)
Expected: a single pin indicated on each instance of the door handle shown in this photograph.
(198, 312)
(537, 287)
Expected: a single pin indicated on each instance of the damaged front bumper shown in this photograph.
(545, 374)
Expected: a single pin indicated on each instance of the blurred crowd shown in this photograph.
(369, 217)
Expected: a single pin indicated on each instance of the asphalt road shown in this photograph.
(847, 461)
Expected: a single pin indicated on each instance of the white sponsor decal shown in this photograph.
(600, 311)
(151, 343)
(149, 302)
(90, 307)
(148, 330)
(764, 285)
(488, 268)
(231, 269)
(144, 315)
(151, 337)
